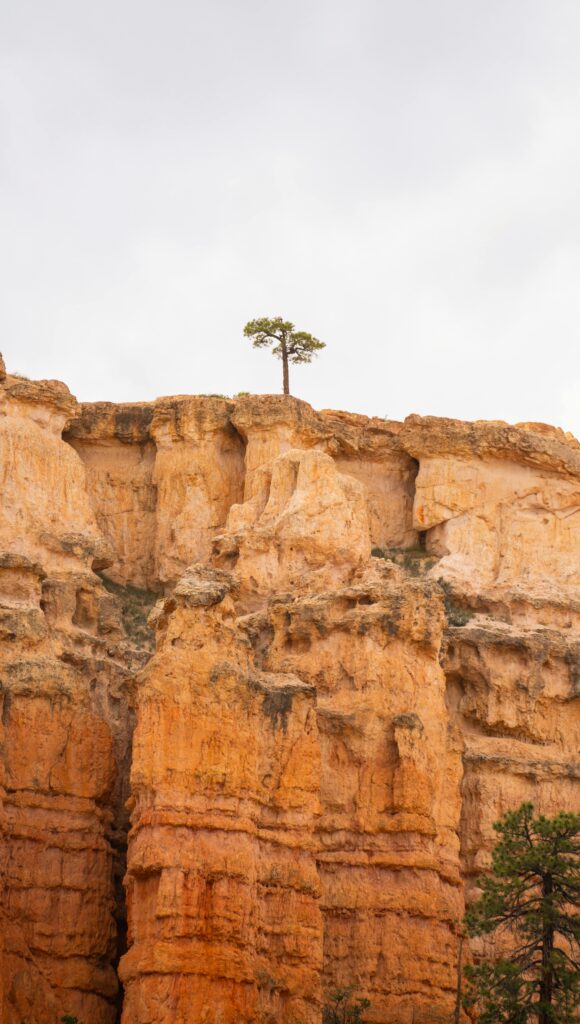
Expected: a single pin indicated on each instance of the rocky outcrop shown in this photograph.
(387, 851)
(222, 882)
(308, 521)
(65, 674)
(162, 478)
(513, 702)
(161, 481)
(501, 507)
(367, 649)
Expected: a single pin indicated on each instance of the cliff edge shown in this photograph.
(268, 675)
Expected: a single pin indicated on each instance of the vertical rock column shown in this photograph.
(58, 928)
(61, 668)
(389, 789)
(224, 923)
(366, 638)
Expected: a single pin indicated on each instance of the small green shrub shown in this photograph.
(343, 1009)
(414, 560)
(456, 615)
(136, 604)
(69, 1019)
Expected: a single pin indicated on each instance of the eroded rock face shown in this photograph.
(222, 881)
(325, 732)
(65, 672)
(161, 479)
(501, 508)
(308, 520)
(387, 851)
(291, 820)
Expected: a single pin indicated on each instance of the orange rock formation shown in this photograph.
(366, 649)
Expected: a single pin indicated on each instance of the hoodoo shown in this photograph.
(268, 676)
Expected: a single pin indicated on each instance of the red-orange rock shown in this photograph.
(325, 733)
(65, 726)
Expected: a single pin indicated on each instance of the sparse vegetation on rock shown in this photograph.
(415, 560)
(456, 614)
(344, 1008)
(136, 605)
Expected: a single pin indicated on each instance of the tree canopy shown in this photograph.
(533, 892)
(289, 345)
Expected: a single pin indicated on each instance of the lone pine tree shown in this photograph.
(533, 891)
(289, 345)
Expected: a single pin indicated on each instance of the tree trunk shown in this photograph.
(285, 367)
(547, 980)
(458, 993)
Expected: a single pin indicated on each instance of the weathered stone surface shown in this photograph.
(222, 882)
(387, 848)
(268, 770)
(366, 449)
(324, 736)
(162, 477)
(501, 507)
(65, 670)
(40, 477)
(311, 521)
(119, 456)
(513, 699)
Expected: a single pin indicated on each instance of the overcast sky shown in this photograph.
(399, 177)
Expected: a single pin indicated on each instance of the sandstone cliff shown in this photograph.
(362, 647)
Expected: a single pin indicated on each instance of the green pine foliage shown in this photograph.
(534, 892)
(288, 345)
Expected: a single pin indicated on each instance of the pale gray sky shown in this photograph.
(402, 179)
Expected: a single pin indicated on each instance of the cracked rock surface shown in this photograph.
(268, 676)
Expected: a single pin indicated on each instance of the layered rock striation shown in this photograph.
(65, 674)
(300, 661)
